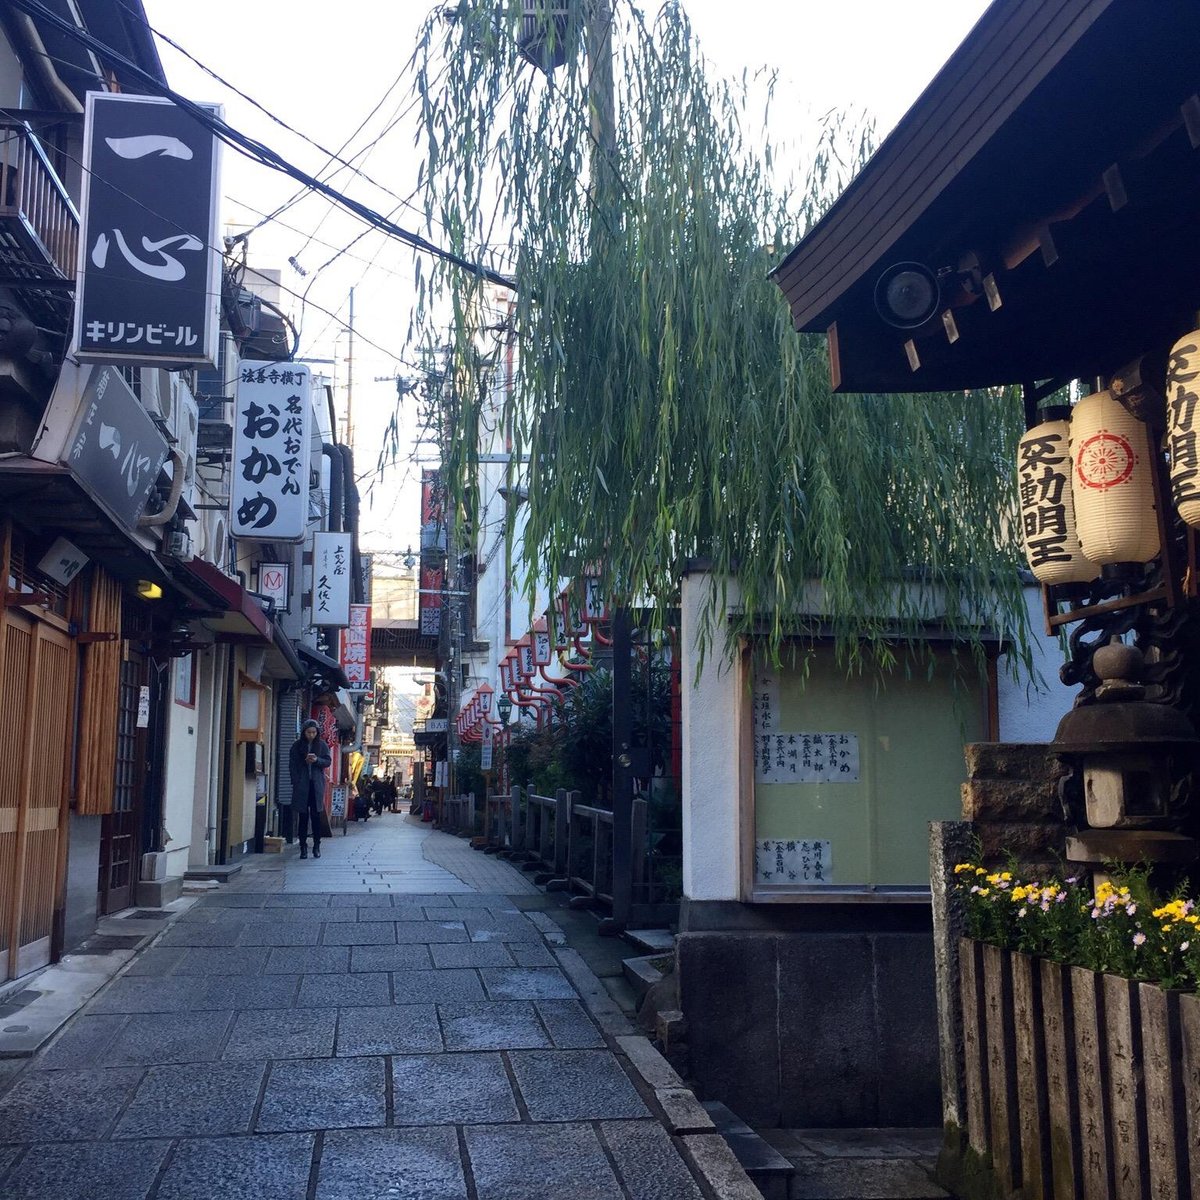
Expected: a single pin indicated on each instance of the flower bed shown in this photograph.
(1124, 929)
(1081, 1053)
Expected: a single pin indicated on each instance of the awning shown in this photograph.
(344, 711)
(282, 661)
(329, 667)
(48, 498)
(243, 617)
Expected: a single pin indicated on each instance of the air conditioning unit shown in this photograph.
(187, 429)
(158, 395)
(179, 545)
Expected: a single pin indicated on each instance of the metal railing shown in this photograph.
(36, 210)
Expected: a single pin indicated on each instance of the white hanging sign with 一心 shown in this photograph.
(268, 499)
(782, 861)
(805, 757)
(331, 579)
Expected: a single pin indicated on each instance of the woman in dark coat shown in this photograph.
(307, 760)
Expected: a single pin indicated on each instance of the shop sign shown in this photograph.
(485, 750)
(268, 499)
(356, 648)
(63, 561)
(274, 584)
(331, 579)
(149, 283)
(115, 448)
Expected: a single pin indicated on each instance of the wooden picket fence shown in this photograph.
(1079, 1086)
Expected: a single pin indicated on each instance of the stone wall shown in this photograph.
(805, 1028)
(1011, 797)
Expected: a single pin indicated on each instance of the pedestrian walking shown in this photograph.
(307, 760)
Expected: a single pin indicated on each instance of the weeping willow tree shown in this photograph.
(665, 407)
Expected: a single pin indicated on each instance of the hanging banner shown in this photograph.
(356, 648)
(433, 556)
(331, 579)
(274, 583)
(148, 285)
(272, 429)
(485, 751)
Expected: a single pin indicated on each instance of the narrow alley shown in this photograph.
(373, 1023)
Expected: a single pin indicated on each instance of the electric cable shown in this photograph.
(254, 149)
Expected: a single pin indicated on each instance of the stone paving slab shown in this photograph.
(324, 1093)
(390, 1029)
(451, 1089)
(150, 1038)
(525, 1162)
(60, 1106)
(291, 1033)
(271, 1166)
(409, 1037)
(492, 1025)
(574, 1085)
(196, 1099)
(86, 1171)
(361, 1163)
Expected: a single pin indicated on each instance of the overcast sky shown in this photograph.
(322, 68)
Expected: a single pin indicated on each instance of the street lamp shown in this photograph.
(504, 706)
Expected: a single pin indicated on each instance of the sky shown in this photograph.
(323, 68)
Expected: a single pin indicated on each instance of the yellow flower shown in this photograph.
(961, 867)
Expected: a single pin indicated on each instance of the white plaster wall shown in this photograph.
(180, 796)
(1030, 707)
(712, 706)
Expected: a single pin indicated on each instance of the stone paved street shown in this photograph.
(367, 1025)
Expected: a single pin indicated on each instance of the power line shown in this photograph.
(254, 149)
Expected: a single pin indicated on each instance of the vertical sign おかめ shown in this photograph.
(331, 579)
(268, 498)
(356, 648)
(433, 556)
(148, 286)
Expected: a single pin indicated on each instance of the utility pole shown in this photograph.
(350, 380)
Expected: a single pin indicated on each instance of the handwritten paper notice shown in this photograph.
(806, 757)
(778, 861)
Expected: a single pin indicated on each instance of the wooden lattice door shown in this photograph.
(120, 829)
(36, 690)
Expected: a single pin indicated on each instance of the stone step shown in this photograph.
(770, 1171)
(652, 941)
(220, 873)
(642, 973)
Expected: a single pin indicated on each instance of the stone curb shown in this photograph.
(684, 1117)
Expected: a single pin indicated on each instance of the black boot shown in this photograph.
(316, 849)
(303, 850)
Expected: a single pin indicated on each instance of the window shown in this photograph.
(185, 680)
(848, 771)
(252, 710)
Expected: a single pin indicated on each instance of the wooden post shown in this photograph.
(1162, 1053)
(1092, 1081)
(1002, 1083)
(1031, 1078)
(562, 832)
(975, 1063)
(1061, 1093)
(516, 834)
(639, 845)
(1126, 1093)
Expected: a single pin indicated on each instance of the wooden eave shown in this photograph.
(1057, 144)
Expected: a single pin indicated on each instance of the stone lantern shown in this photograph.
(1130, 764)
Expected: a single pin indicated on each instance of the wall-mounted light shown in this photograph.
(149, 590)
(907, 295)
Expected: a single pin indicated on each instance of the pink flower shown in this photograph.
(1045, 906)
(1139, 939)
(1022, 912)
(1131, 909)
(1184, 945)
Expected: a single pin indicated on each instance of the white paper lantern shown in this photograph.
(1112, 482)
(1183, 426)
(1052, 546)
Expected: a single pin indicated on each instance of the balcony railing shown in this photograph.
(39, 225)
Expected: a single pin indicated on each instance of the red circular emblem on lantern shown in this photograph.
(1104, 460)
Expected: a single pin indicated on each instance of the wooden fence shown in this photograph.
(566, 844)
(1079, 1086)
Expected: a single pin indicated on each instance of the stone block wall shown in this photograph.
(800, 1028)
(1011, 797)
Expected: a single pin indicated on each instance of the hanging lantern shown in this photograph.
(542, 644)
(1047, 510)
(1183, 426)
(1112, 482)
